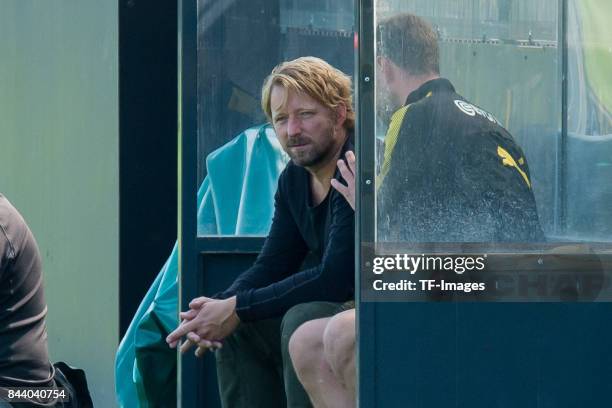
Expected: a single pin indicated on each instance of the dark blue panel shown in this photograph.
(493, 355)
(218, 271)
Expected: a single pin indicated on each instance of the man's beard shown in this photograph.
(315, 154)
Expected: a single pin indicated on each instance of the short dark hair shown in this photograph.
(410, 42)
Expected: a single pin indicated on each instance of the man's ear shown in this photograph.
(340, 114)
(385, 67)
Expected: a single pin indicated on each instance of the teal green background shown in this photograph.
(59, 166)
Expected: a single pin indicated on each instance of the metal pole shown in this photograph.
(187, 378)
(365, 194)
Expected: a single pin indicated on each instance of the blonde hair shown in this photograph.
(314, 77)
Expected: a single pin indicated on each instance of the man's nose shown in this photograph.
(294, 126)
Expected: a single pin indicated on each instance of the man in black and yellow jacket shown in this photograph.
(450, 172)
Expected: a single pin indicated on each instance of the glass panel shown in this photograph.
(239, 42)
(503, 57)
(589, 141)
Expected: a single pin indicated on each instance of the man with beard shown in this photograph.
(309, 104)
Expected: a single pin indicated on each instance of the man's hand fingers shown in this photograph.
(194, 337)
(187, 344)
(348, 190)
(205, 345)
(200, 351)
(211, 344)
(189, 314)
(350, 158)
(342, 189)
(180, 331)
(174, 343)
(198, 302)
(347, 174)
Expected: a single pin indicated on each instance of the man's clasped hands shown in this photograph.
(206, 323)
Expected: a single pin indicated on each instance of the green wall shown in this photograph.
(597, 44)
(59, 166)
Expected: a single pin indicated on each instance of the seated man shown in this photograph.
(24, 359)
(309, 104)
(451, 173)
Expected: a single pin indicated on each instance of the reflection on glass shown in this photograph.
(239, 42)
(589, 110)
(503, 58)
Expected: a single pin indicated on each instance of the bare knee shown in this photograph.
(306, 348)
(339, 345)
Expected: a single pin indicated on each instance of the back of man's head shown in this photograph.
(314, 77)
(410, 43)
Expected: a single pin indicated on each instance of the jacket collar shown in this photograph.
(434, 86)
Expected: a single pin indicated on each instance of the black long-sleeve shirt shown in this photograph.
(275, 282)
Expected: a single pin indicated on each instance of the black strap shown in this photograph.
(74, 381)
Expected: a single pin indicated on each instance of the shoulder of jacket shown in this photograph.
(469, 111)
